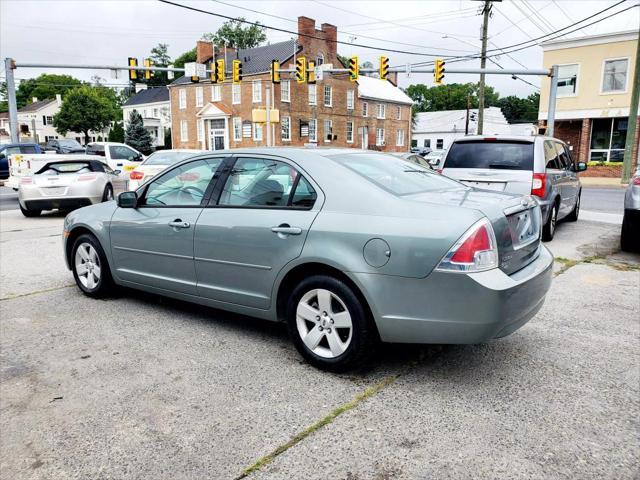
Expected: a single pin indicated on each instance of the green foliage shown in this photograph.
(84, 109)
(452, 96)
(4, 104)
(116, 134)
(45, 87)
(234, 34)
(186, 57)
(604, 164)
(520, 110)
(136, 135)
(160, 58)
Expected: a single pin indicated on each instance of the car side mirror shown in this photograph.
(581, 167)
(128, 200)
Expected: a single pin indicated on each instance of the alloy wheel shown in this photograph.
(87, 265)
(324, 323)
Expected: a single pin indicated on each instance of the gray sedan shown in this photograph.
(630, 235)
(347, 247)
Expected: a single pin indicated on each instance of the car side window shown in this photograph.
(304, 195)
(563, 155)
(28, 149)
(551, 155)
(184, 186)
(118, 152)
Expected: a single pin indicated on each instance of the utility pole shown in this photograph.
(483, 62)
(466, 125)
(9, 67)
(632, 124)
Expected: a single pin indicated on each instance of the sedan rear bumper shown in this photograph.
(450, 308)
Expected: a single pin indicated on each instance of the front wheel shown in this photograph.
(329, 325)
(90, 268)
(549, 228)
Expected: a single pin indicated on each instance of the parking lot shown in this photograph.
(141, 386)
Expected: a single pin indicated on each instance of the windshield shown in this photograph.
(167, 157)
(395, 175)
(70, 143)
(509, 155)
(70, 167)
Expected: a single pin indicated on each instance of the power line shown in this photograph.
(565, 13)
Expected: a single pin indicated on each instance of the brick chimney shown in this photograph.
(393, 78)
(204, 51)
(330, 34)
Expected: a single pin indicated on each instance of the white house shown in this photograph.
(35, 122)
(5, 129)
(437, 130)
(153, 105)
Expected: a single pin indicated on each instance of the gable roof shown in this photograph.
(376, 89)
(254, 60)
(35, 106)
(150, 95)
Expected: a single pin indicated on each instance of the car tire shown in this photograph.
(30, 213)
(313, 307)
(629, 234)
(108, 193)
(573, 216)
(549, 228)
(90, 267)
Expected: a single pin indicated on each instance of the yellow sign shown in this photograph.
(259, 115)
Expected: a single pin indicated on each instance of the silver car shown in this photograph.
(347, 247)
(536, 165)
(630, 235)
(414, 158)
(66, 185)
(157, 162)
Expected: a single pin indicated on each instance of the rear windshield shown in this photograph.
(507, 155)
(96, 149)
(167, 158)
(70, 143)
(395, 175)
(70, 167)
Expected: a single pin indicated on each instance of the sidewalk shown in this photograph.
(602, 182)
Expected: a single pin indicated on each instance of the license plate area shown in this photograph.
(524, 227)
(498, 186)
(53, 191)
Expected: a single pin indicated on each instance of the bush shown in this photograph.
(116, 134)
(605, 164)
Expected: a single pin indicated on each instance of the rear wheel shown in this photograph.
(108, 193)
(549, 228)
(90, 268)
(30, 213)
(630, 234)
(573, 216)
(329, 325)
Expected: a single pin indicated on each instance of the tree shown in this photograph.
(451, 96)
(4, 102)
(116, 134)
(186, 57)
(233, 34)
(45, 87)
(520, 110)
(160, 58)
(84, 109)
(136, 135)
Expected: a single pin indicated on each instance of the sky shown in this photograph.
(108, 32)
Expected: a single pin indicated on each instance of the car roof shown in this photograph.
(519, 138)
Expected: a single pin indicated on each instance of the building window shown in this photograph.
(439, 144)
(216, 93)
(257, 132)
(615, 75)
(349, 132)
(246, 129)
(285, 125)
(327, 96)
(350, 99)
(398, 113)
(608, 138)
(184, 132)
(49, 120)
(319, 59)
(200, 130)
(312, 95)
(379, 137)
(427, 142)
(155, 113)
(567, 80)
(182, 98)
(327, 130)
(235, 94)
(313, 131)
(237, 129)
(381, 110)
(199, 96)
(365, 109)
(400, 138)
(257, 91)
(285, 91)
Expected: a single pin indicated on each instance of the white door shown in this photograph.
(365, 138)
(217, 134)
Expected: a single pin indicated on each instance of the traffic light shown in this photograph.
(236, 71)
(148, 64)
(133, 74)
(301, 69)
(438, 72)
(275, 71)
(384, 67)
(311, 74)
(354, 69)
(220, 66)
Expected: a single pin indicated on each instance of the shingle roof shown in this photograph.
(369, 87)
(254, 60)
(35, 106)
(150, 95)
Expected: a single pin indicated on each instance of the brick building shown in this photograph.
(369, 113)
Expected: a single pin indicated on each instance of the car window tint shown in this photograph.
(551, 155)
(12, 150)
(183, 186)
(563, 156)
(118, 152)
(258, 183)
(95, 150)
(494, 154)
(304, 194)
(28, 149)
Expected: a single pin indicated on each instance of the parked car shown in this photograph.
(11, 149)
(66, 185)
(536, 165)
(630, 235)
(421, 150)
(414, 158)
(157, 162)
(348, 247)
(64, 145)
(434, 157)
(118, 155)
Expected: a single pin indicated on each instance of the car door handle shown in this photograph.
(177, 223)
(286, 229)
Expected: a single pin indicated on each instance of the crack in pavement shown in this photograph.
(28, 294)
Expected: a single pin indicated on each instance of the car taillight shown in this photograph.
(539, 184)
(135, 175)
(86, 177)
(26, 180)
(476, 251)
(439, 170)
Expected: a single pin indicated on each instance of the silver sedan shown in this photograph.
(630, 235)
(347, 247)
(66, 185)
